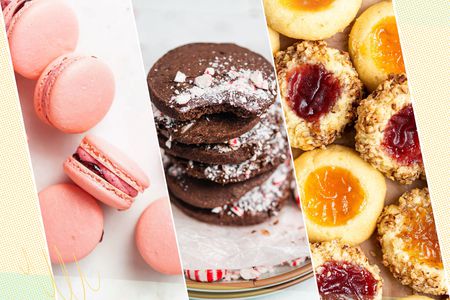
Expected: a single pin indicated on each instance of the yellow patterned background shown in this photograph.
(424, 28)
(24, 269)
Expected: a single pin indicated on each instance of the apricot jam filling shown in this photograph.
(345, 280)
(385, 46)
(308, 5)
(420, 236)
(332, 196)
(401, 139)
(312, 91)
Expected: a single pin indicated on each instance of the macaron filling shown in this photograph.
(100, 170)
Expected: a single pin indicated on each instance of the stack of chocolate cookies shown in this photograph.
(221, 133)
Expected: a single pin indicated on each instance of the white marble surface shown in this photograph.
(108, 30)
(163, 25)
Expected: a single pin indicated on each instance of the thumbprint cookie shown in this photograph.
(320, 90)
(386, 132)
(344, 272)
(374, 45)
(310, 19)
(341, 195)
(410, 245)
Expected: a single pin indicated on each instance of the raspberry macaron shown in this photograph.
(106, 173)
(74, 93)
(73, 222)
(38, 32)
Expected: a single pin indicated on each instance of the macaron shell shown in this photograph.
(73, 222)
(96, 186)
(39, 33)
(116, 161)
(80, 96)
(155, 238)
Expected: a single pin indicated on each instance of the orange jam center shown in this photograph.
(309, 5)
(421, 238)
(332, 196)
(385, 44)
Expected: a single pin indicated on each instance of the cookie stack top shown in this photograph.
(221, 132)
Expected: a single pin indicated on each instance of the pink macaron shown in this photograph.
(73, 222)
(74, 93)
(155, 238)
(38, 32)
(106, 173)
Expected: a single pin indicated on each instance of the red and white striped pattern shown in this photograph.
(205, 275)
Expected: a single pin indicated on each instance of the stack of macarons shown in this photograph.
(73, 92)
(221, 132)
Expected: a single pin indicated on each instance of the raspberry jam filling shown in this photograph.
(332, 196)
(401, 140)
(312, 91)
(421, 237)
(100, 170)
(345, 280)
(308, 5)
(385, 46)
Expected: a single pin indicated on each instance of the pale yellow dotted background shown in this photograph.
(424, 28)
(23, 249)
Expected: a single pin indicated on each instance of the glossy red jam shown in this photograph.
(401, 140)
(312, 91)
(345, 280)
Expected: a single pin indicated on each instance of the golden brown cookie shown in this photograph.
(344, 272)
(386, 132)
(341, 195)
(374, 45)
(410, 245)
(310, 19)
(320, 90)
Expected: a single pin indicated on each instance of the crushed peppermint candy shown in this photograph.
(261, 198)
(180, 77)
(203, 81)
(221, 83)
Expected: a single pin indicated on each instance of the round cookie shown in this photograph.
(386, 132)
(206, 194)
(310, 19)
(341, 195)
(234, 151)
(410, 245)
(274, 38)
(73, 222)
(320, 90)
(155, 238)
(206, 78)
(374, 45)
(209, 129)
(263, 161)
(255, 207)
(38, 32)
(343, 271)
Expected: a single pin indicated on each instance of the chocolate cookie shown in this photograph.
(209, 129)
(206, 194)
(205, 78)
(255, 207)
(233, 151)
(267, 159)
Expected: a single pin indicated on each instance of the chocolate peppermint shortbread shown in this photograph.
(205, 78)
